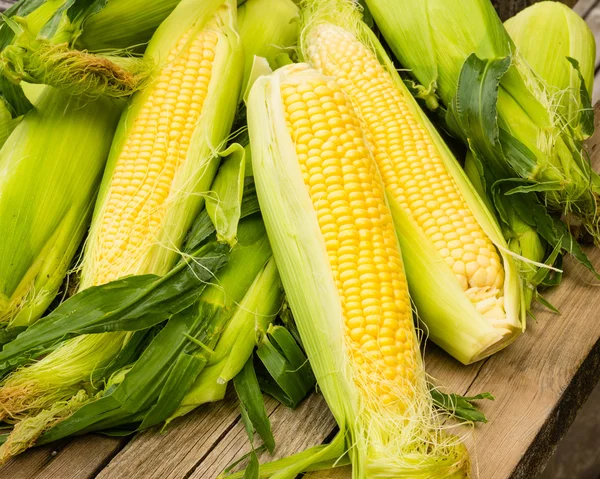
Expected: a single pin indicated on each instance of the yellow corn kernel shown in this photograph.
(358, 231)
(409, 161)
(152, 154)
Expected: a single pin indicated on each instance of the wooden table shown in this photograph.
(540, 383)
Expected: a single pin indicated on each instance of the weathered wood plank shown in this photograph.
(309, 425)
(582, 7)
(177, 452)
(78, 458)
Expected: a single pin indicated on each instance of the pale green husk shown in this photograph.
(50, 172)
(546, 33)
(381, 443)
(123, 24)
(451, 319)
(268, 28)
(251, 317)
(62, 372)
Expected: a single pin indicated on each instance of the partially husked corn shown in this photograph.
(357, 229)
(153, 153)
(333, 238)
(163, 160)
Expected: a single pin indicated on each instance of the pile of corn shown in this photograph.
(196, 192)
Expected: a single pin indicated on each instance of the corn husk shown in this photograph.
(268, 28)
(560, 33)
(48, 186)
(123, 24)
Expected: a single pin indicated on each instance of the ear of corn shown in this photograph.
(48, 184)
(334, 244)
(267, 28)
(163, 160)
(462, 278)
(560, 34)
(445, 39)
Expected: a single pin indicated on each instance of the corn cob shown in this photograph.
(163, 159)
(336, 249)
(444, 228)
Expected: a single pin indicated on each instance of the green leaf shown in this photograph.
(473, 116)
(461, 407)
(224, 204)
(253, 406)
(288, 376)
(544, 302)
(536, 187)
(252, 470)
(586, 115)
(180, 379)
(128, 304)
(13, 98)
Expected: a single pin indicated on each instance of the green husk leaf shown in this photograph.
(203, 227)
(475, 118)
(460, 407)
(155, 386)
(128, 304)
(224, 204)
(586, 113)
(537, 187)
(312, 459)
(544, 302)
(253, 468)
(253, 406)
(290, 377)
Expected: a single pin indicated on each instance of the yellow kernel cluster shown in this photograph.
(153, 152)
(408, 159)
(348, 197)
